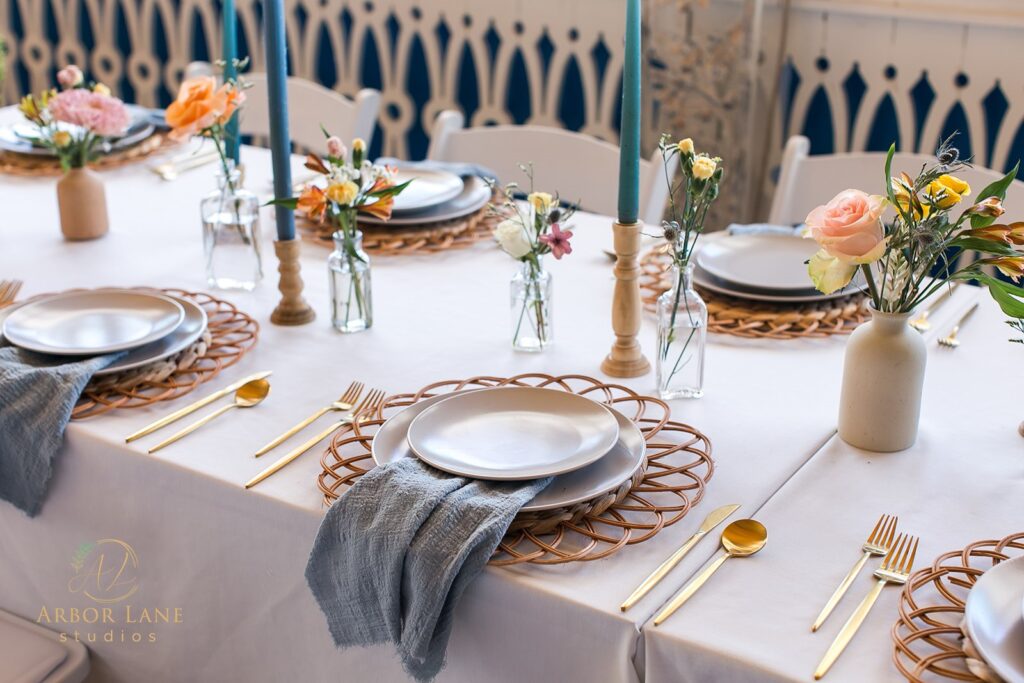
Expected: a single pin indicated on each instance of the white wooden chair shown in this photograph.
(807, 181)
(579, 167)
(311, 105)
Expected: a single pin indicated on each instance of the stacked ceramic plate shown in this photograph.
(146, 326)
(994, 618)
(519, 433)
(23, 138)
(434, 196)
(761, 267)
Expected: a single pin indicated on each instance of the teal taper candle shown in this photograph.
(629, 139)
(277, 92)
(229, 43)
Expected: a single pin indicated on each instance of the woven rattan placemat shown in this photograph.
(928, 640)
(678, 468)
(31, 165)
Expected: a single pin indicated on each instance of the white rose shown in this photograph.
(703, 167)
(512, 238)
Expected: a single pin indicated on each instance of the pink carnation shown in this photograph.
(101, 114)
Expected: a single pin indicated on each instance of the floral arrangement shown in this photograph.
(203, 109)
(907, 257)
(690, 198)
(528, 236)
(77, 119)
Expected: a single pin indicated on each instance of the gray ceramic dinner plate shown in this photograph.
(810, 295)
(513, 433)
(428, 188)
(616, 466)
(21, 138)
(190, 329)
(92, 322)
(474, 196)
(762, 261)
(993, 618)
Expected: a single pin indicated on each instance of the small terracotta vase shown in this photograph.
(83, 205)
(883, 378)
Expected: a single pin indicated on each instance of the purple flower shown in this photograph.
(558, 240)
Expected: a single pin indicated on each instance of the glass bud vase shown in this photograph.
(682, 336)
(348, 269)
(531, 307)
(231, 234)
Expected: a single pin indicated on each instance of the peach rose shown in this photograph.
(849, 227)
(201, 105)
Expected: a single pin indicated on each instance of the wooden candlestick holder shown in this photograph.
(626, 359)
(292, 309)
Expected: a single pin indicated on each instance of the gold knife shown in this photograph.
(189, 409)
(714, 518)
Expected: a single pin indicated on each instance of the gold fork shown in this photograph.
(9, 291)
(344, 402)
(364, 410)
(878, 543)
(895, 569)
(920, 323)
(172, 169)
(951, 341)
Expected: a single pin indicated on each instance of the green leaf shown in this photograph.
(290, 202)
(999, 187)
(984, 246)
(389, 191)
(1010, 297)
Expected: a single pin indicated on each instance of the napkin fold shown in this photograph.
(37, 395)
(458, 168)
(396, 551)
(764, 229)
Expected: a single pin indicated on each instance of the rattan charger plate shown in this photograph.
(757, 319)
(928, 643)
(677, 470)
(429, 238)
(230, 334)
(31, 165)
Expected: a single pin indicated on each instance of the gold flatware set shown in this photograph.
(248, 395)
(170, 170)
(920, 323)
(950, 341)
(898, 553)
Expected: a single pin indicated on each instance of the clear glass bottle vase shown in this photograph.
(531, 307)
(348, 269)
(231, 234)
(682, 337)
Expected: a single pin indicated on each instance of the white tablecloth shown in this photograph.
(233, 560)
(962, 482)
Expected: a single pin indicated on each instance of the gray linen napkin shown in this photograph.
(395, 552)
(458, 168)
(37, 394)
(764, 229)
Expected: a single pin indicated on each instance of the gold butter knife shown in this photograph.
(189, 409)
(713, 519)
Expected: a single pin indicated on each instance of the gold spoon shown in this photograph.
(248, 395)
(742, 538)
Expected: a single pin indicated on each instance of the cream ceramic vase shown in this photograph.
(83, 205)
(883, 377)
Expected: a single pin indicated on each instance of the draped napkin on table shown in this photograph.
(37, 395)
(458, 168)
(396, 551)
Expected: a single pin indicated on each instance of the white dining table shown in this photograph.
(232, 560)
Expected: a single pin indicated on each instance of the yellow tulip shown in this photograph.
(343, 193)
(947, 191)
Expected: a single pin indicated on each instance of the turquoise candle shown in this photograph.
(229, 17)
(280, 144)
(629, 139)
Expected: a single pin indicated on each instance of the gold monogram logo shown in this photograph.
(105, 571)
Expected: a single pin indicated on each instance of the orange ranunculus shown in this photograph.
(313, 203)
(382, 207)
(201, 105)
